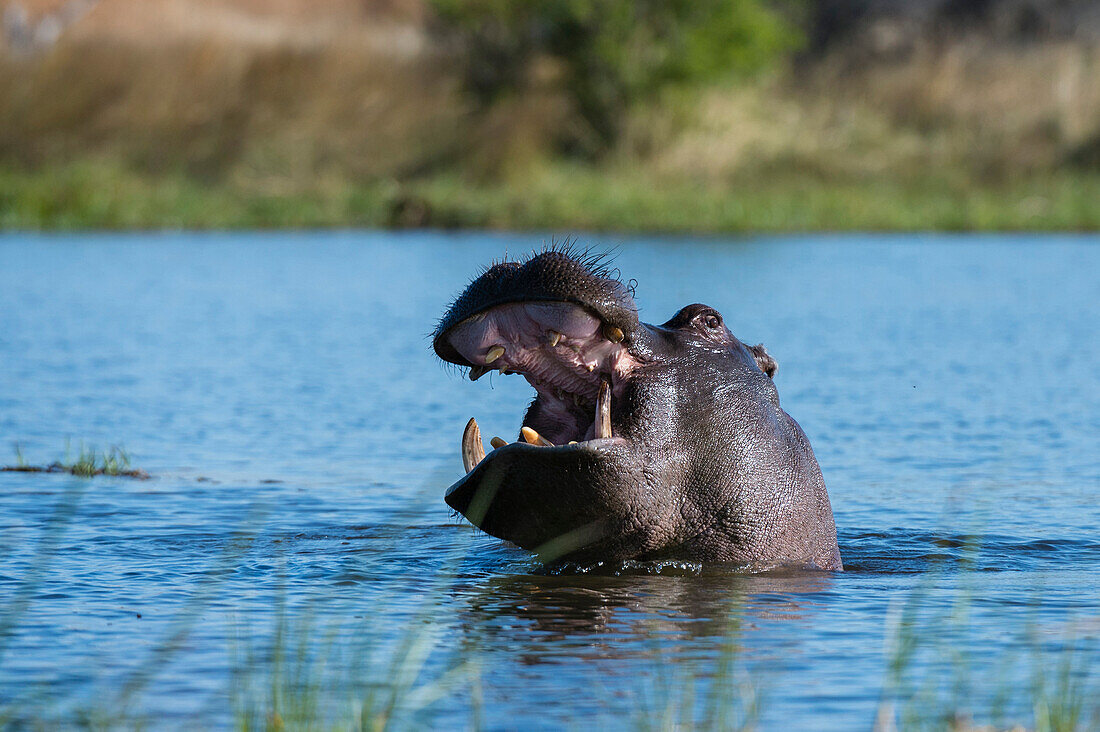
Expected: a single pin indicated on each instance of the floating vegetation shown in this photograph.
(89, 462)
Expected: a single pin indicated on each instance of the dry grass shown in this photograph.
(1021, 107)
(987, 114)
(213, 109)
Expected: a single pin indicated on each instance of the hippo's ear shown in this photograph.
(764, 359)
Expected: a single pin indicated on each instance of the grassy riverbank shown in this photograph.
(105, 196)
(363, 116)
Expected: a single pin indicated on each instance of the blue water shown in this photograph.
(281, 390)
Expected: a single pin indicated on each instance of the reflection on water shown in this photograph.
(282, 391)
(565, 609)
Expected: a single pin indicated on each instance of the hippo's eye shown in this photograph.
(712, 322)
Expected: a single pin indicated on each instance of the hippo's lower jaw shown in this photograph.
(537, 496)
(643, 441)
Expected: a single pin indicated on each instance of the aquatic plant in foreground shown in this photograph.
(1044, 679)
(393, 669)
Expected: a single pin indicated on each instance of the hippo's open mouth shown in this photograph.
(562, 322)
(575, 362)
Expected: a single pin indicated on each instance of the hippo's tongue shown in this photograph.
(473, 449)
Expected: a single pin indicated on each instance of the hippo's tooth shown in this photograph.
(534, 438)
(477, 372)
(553, 337)
(473, 451)
(494, 353)
(603, 409)
(614, 333)
(498, 442)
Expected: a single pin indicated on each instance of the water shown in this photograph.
(281, 389)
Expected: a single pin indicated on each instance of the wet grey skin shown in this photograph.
(643, 442)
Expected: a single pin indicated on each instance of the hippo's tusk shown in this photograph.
(473, 451)
(498, 442)
(494, 353)
(552, 337)
(614, 333)
(603, 409)
(534, 438)
(476, 372)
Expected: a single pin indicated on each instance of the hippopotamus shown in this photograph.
(643, 442)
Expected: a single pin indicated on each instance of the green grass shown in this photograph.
(113, 461)
(628, 200)
(98, 195)
(88, 462)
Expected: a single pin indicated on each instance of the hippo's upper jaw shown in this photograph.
(642, 441)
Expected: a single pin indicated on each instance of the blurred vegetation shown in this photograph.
(105, 195)
(669, 116)
(607, 55)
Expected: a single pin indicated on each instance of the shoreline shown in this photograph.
(102, 196)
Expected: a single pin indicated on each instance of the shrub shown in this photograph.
(612, 53)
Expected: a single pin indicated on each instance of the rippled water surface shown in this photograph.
(281, 390)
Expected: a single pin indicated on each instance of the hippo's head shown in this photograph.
(643, 441)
